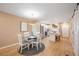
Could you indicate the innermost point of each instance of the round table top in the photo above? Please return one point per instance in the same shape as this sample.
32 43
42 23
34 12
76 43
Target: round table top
32 37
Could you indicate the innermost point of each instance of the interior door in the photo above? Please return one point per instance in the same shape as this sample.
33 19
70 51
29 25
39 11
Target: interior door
65 30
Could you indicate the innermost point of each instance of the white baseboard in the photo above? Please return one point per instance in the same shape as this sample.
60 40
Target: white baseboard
8 46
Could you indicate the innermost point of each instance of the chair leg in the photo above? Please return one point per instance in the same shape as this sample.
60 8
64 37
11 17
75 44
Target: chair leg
32 45
18 49
21 50
28 46
37 47
40 45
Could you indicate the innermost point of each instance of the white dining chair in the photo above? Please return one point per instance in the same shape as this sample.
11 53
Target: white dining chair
37 42
39 39
22 43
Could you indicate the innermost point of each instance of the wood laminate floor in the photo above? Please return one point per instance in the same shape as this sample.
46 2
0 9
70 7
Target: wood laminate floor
58 48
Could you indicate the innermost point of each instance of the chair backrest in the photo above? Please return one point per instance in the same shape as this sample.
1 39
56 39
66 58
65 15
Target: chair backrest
38 37
37 33
26 34
20 39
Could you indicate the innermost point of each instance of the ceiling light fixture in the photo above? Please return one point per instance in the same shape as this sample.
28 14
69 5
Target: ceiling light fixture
32 14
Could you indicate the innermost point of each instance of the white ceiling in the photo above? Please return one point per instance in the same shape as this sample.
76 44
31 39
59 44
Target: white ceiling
49 12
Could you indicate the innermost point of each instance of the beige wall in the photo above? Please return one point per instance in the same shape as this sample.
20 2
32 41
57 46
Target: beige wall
10 27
